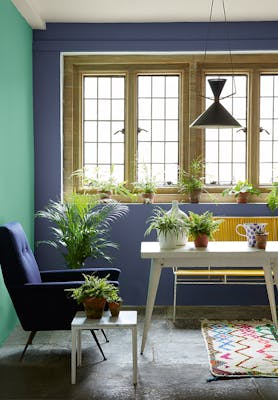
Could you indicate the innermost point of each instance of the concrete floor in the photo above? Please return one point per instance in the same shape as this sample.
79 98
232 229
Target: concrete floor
174 365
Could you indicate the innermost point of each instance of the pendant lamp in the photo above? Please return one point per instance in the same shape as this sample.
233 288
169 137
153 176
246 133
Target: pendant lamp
216 116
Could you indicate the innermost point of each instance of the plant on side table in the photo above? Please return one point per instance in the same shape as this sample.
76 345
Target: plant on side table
81 227
241 190
93 294
114 302
169 226
202 227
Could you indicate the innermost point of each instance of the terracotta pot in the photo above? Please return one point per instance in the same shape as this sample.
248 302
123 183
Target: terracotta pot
242 197
201 240
261 240
148 198
114 308
94 307
194 197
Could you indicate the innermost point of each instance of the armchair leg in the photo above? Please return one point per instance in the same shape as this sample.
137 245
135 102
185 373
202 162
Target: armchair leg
97 342
29 341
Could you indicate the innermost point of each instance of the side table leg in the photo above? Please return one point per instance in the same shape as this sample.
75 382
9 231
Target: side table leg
134 354
79 348
73 356
270 292
155 273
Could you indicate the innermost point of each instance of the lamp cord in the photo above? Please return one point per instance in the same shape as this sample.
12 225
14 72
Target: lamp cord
229 48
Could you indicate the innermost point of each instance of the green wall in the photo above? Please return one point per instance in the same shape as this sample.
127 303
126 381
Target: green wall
16 136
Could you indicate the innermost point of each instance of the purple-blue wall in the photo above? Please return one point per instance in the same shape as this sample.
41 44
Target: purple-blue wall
149 37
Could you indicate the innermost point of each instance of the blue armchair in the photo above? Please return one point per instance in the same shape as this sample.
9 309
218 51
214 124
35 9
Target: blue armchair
39 297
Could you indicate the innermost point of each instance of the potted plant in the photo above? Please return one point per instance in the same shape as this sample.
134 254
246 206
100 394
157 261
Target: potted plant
241 190
202 227
147 188
114 302
105 186
93 294
81 227
272 197
191 182
168 226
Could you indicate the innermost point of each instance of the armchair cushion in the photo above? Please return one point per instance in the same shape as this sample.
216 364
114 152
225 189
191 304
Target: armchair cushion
77 274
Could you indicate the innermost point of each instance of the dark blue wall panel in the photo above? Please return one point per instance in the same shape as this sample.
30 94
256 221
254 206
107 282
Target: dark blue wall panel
149 37
129 233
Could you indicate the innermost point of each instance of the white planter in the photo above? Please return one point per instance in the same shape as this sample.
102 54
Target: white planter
168 241
182 237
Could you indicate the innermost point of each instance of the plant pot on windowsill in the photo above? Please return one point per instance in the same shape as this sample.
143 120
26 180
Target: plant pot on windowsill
148 198
191 182
195 195
241 190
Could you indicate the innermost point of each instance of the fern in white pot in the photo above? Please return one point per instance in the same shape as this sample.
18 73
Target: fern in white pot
168 226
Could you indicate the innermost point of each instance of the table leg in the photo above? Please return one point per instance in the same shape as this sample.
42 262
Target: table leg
275 273
79 348
73 355
270 291
155 273
134 354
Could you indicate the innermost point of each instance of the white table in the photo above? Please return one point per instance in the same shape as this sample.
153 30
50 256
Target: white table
126 319
217 254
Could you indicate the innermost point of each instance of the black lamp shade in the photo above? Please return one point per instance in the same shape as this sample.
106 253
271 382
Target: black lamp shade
216 116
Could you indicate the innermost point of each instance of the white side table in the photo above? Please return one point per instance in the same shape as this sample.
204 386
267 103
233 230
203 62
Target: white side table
126 319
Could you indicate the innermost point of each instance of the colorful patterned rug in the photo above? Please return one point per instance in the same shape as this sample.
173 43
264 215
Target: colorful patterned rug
241 348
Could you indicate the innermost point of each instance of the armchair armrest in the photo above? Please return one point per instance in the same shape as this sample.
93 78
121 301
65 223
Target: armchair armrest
64 275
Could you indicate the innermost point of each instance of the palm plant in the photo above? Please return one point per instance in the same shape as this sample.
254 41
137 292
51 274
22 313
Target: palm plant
81 227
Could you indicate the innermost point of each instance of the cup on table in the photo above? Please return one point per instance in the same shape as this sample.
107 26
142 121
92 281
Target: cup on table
251 229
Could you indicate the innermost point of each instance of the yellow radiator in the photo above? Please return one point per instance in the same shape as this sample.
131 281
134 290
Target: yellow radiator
228 227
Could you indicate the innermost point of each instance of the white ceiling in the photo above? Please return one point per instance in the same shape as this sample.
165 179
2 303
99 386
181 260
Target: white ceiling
38 12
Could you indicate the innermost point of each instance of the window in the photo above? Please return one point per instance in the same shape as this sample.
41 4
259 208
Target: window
158 127
268 129
132 113
103 125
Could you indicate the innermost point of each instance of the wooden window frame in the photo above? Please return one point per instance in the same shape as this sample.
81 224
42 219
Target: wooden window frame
192 69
